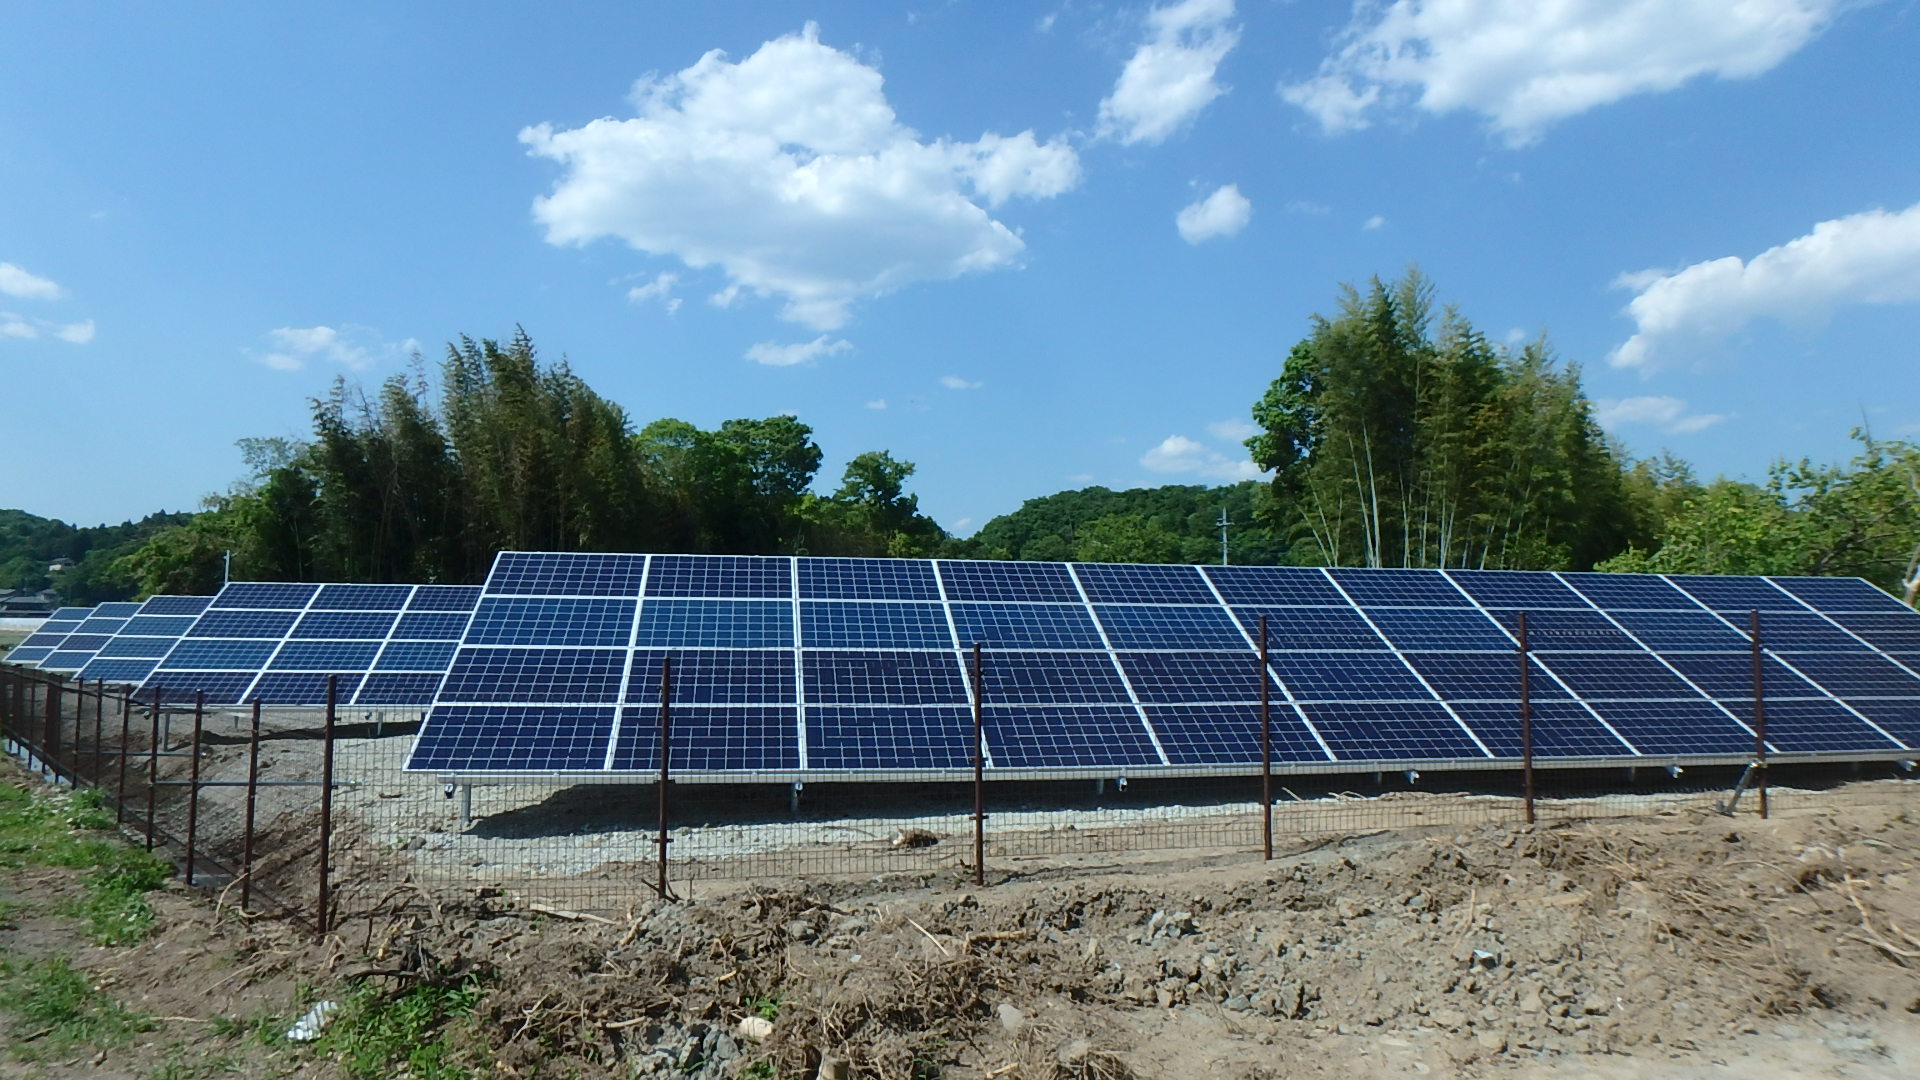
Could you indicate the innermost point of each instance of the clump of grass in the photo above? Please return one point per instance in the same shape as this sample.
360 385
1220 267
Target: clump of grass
378 1036
73 829
57 1010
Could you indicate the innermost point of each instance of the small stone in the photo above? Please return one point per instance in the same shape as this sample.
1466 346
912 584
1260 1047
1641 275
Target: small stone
1595 1004
1075 1052
1011 1018
1237 1003
756 1028
833 1068
1493 1042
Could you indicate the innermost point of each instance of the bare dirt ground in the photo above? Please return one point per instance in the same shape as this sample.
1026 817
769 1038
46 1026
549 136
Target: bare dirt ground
1683 943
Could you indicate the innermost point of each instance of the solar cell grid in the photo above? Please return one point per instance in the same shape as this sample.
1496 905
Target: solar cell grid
502 675
69 614
221 654
1853 675
362 597
398 688
1569 631
157 626
545 573
444 598
1479 677
1667 728
175 605
431 625
1143 584
514 739
98 625
46 639
1729 676
1885 631
343 624
1021 582
325 656
81 641
259 594
710 739
113 670
29 654
1348 677
67 659
1840 594
1735 594
1600 676
1898 717
1230 734
1026 626
1146 626
1820 726
1290 628
1561 728
715 624
857 624
59 627
868 579
1273 585
1805 632
434 656
181 687
1630 591
739 576
132 646
862 739
1397 731
883 678
715 677
117 610
1399 588
1681 631
1067 736
547 620
1175 678
304 687
1426 628
1037 678
1530 590
221 623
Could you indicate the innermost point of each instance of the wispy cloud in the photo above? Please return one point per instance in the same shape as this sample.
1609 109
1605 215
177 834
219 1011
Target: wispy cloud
955 382
660 288
357 348
800 352
21 285
1170 77
1179 454
1669 414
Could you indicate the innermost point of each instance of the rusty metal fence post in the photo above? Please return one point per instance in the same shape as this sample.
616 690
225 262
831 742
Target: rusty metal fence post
321 917
99 705
666 774
1759 711
1526 715
153 764
1266 749
246 832
126 733
193 779
979 771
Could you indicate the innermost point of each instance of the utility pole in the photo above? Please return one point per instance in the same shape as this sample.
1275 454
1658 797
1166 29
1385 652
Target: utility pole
226 566
1223 535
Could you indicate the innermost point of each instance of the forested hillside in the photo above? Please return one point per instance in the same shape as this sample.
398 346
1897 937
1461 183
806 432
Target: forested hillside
1396 433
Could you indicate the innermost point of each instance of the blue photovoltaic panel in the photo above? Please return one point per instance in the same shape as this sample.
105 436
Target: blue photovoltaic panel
1152 626
710 739
1841 594
733 576
1630 591
882 678
52 633
1734 594
1399 588
181 687
1528 590
1729 676
361 597
514 739
1820 726
145 648
219 623
858 624
566 574
867 579
1347 677
67 659
1853 675
1144 584
70 614
434 656
1038 678
1561 728
581 622
105 669
1264 586
325 656
431 625
1682 631
222 654
1882 630
1570 631
1176 678
175 605
717 677
1478 677
162 626
1599 676
715 624
1067 736
444 598
304 687
1292 628
858 739
1804 632
29 654
80 641
503 675
1025 626
398 688
1033 583
1455 629
117 610
1399 731
1230 734
258 594
1666 728
1899 717
98 625
344 624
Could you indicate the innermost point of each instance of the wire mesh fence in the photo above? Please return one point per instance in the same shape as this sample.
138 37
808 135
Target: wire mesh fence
309 814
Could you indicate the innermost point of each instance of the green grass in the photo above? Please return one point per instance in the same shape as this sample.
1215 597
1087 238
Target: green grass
425 1033
73 830
56 1010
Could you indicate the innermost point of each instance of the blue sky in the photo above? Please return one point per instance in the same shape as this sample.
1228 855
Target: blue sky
1027 247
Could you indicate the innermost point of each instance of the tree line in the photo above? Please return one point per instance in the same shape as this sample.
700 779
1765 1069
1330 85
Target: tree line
1396 434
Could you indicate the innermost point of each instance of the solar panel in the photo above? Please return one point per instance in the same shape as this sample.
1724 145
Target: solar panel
794 667
149 632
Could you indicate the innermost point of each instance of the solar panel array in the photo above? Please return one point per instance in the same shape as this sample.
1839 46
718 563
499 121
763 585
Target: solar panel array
277 643
819 667
48 637
71 636
148 635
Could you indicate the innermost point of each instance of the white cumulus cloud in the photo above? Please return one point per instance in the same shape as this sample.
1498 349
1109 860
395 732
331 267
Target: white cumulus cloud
14 326
800 352
660 288
1179 454
79 333
1170 77
1866 258
1669 414
790 174
955 382
1374 224
1525 64
357 348
877 403
21 285
1222 213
